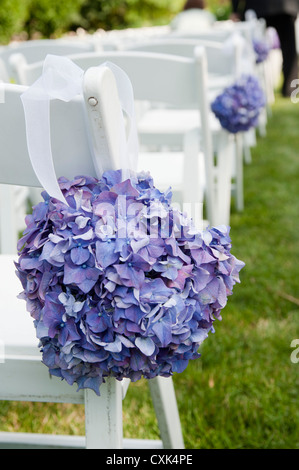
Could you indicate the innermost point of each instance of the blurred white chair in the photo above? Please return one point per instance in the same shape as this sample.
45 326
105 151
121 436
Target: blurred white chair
12 201
220 32
251 29
114 39
22 375
212 34
17 198
178 83
223 58
37 49
224 66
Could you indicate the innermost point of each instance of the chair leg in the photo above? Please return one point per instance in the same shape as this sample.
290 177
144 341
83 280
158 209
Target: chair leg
239 173
8 227
164 400
224 180
193 178
103 417
247 154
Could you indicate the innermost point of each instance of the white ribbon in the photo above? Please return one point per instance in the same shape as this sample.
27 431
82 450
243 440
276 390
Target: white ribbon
62 79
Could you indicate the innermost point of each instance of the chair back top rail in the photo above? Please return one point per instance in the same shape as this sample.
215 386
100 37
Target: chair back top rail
36 50
162 74
76 130
220 59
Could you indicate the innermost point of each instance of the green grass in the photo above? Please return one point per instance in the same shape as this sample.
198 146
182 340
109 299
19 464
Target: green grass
243 391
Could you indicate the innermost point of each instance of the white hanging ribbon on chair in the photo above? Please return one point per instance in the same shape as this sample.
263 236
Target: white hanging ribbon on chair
62 79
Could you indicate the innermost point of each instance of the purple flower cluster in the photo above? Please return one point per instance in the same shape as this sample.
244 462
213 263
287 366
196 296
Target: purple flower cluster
273 38
238 106
261 50
118 282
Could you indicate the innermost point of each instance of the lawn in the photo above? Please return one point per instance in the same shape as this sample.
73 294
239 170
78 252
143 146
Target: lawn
243 391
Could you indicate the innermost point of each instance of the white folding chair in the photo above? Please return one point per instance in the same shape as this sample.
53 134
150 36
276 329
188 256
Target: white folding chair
179 83
222 63
33 50
78 130
37 49
225 64
220 32
223 67
255 28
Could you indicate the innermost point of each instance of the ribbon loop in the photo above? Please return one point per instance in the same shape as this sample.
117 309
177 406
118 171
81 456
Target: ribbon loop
62 79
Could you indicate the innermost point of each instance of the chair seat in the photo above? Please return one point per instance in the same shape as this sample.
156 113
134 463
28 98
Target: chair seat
170 121
22 359
167 168
17 331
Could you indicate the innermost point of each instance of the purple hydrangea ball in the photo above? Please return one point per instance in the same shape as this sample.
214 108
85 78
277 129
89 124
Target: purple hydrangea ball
238 106
261 49
118 282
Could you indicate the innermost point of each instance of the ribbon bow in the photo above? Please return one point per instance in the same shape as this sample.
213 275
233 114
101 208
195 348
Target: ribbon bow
62 79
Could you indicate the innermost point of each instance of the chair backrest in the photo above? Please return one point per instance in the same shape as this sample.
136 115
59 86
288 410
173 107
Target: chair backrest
36 50
212 34
221 31
163 74
175 81
81 130
220 60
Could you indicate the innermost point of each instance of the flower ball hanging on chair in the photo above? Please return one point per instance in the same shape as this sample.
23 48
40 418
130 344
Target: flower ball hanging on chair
239 106
118 282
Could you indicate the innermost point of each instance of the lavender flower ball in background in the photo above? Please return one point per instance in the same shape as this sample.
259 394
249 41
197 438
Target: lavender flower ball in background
238 106
118 282
273 38
261 49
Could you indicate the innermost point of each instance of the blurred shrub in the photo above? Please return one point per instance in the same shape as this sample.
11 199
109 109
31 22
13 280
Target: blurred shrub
150 12
13 15
97 14
220 8
118 14
51 17
46 17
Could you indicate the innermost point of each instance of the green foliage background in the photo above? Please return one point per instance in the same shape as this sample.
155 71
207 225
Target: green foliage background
52 18
12 18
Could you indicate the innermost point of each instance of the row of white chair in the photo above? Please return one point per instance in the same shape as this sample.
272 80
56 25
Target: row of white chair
169 84
221 71
166 126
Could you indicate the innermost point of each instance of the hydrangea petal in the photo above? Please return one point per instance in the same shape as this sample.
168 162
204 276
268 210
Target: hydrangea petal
146 345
